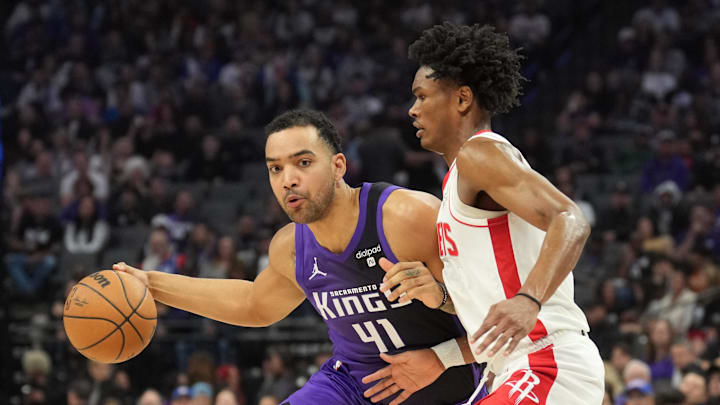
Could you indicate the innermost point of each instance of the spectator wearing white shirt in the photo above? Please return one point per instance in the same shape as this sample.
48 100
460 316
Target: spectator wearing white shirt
87 234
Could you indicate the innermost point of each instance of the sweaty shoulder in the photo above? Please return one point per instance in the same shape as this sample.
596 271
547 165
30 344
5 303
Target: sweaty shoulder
282 251
409 219
488 161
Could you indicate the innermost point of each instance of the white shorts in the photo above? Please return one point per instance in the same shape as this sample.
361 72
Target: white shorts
567 369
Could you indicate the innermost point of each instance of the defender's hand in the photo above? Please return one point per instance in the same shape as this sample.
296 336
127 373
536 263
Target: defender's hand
407 373
137 273
414 280
509 320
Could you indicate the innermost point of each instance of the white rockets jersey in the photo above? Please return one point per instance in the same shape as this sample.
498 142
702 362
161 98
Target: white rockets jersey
487 257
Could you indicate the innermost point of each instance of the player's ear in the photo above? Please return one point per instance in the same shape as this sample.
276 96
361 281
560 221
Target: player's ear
465 98
339 163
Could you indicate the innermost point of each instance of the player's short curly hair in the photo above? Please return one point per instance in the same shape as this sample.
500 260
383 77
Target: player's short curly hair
301 118
474 56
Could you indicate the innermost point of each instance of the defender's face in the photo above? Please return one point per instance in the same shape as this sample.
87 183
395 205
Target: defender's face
432 110
302 172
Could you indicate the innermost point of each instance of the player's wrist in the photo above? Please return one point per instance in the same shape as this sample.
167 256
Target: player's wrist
449 353
443 295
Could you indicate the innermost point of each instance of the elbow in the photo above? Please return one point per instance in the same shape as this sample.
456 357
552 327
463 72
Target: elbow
578 227
583 227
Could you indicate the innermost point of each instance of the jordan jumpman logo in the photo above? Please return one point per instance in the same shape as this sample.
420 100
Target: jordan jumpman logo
316 270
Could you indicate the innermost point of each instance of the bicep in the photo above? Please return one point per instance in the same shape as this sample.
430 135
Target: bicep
500 171
532 198
274 295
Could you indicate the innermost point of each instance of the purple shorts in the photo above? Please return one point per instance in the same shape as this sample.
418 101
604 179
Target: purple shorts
330 386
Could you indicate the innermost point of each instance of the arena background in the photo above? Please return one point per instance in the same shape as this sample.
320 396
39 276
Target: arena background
152 111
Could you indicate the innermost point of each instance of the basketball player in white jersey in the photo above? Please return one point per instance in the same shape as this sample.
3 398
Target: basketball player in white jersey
508 238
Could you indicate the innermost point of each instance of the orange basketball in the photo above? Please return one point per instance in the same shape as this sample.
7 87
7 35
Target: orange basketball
110 316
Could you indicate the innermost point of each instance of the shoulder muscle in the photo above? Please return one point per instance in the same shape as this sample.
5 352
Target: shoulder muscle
282 252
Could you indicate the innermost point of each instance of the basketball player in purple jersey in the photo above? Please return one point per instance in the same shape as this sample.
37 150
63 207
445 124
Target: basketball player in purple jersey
329 255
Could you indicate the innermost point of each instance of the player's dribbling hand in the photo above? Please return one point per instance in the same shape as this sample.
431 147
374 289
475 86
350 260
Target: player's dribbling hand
509 320
140 274
407 373
414 280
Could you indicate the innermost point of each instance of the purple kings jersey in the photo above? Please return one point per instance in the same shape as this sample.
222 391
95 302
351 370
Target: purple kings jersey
344 288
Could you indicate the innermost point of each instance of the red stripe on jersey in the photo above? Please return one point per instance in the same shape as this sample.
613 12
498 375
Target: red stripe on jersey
507 267
447 176
504 255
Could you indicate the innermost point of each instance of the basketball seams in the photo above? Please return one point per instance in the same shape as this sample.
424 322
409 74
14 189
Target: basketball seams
103 342
92 317
103 297
133 310
127 299
117 327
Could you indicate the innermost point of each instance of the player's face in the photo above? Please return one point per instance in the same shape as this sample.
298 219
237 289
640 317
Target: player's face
303 172
432 111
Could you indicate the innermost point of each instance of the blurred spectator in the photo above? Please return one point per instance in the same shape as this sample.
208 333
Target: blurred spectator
79 392
211 163
82 170
101 375
39 386
665 165
702 234
694 387
181 396
268 400
381 154
616 220
226 397
201 368
180 220
682 357
667 212
658 16
639 392
150 397
278 380
159 200
224 263
713 384
230 377
670 397
198 249
620 357
660 334
42 177
529 27
636 370
88 233
677 306
34 242
128 209
160 254
202 394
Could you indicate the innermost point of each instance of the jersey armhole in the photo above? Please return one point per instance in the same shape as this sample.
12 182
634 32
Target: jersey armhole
380 229
299 254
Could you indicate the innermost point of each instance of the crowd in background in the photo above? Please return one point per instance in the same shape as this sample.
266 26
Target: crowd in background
133 130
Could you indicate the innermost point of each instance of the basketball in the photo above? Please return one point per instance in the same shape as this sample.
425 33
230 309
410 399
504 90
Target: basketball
109 316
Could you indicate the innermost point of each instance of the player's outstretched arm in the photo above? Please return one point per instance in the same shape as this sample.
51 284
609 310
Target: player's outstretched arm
414 370
268 299
499 170
409 221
